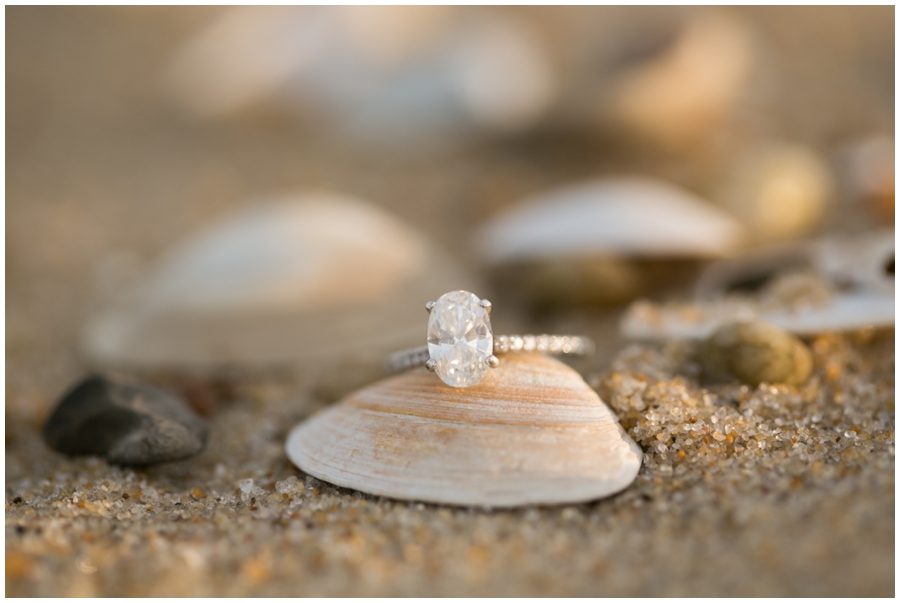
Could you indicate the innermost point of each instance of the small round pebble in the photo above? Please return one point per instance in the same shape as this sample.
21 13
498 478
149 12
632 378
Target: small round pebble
127 424
754 352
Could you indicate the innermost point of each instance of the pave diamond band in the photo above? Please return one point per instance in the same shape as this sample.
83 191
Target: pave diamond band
572 345
461 344
548 344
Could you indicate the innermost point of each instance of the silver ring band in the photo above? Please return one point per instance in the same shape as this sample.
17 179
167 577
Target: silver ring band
570 345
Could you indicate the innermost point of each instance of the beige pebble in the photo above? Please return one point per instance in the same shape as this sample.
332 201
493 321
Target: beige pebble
780 191
755 352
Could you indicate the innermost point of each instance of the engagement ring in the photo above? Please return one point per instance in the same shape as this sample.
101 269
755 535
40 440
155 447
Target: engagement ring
462 347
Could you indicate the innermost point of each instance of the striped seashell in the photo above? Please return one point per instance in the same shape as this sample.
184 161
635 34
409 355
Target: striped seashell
532 432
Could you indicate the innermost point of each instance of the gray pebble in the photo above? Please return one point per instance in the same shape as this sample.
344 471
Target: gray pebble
755 352
127 424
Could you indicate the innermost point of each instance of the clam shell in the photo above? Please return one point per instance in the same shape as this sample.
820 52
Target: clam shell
532 432
306 276
636 217
604 241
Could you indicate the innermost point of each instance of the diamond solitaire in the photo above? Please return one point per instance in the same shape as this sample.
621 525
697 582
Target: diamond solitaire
461 343
460 339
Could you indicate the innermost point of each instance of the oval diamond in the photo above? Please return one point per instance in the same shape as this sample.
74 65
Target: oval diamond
460 339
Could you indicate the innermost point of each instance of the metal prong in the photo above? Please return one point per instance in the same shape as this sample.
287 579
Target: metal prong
430 365
486 305
493 361
429 306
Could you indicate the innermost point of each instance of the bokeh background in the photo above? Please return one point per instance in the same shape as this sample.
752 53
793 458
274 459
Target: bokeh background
128 130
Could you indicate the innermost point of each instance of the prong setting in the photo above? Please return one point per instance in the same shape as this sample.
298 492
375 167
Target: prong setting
429 306
493 361
486 305
430 364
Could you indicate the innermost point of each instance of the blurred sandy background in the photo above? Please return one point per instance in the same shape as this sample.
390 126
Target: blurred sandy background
101 160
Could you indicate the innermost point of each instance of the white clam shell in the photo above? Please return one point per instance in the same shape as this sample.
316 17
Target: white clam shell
622 216
532 432
301 277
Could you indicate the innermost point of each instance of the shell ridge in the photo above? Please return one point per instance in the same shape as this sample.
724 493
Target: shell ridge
412 416
548 400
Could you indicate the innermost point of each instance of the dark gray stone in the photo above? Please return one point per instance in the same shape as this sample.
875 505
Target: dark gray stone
127 424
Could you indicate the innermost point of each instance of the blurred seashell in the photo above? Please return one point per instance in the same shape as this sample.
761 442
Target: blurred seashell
862 261
838 311
755 352
250 54
866 260
779 191
605 241
532 432
384 73
504 80
637 217
300 277
391 36
241 58
689 91
752 269
844 312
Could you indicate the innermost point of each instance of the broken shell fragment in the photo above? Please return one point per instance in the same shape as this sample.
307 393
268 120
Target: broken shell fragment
532 432
861 262
817 310
806 288
755 352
